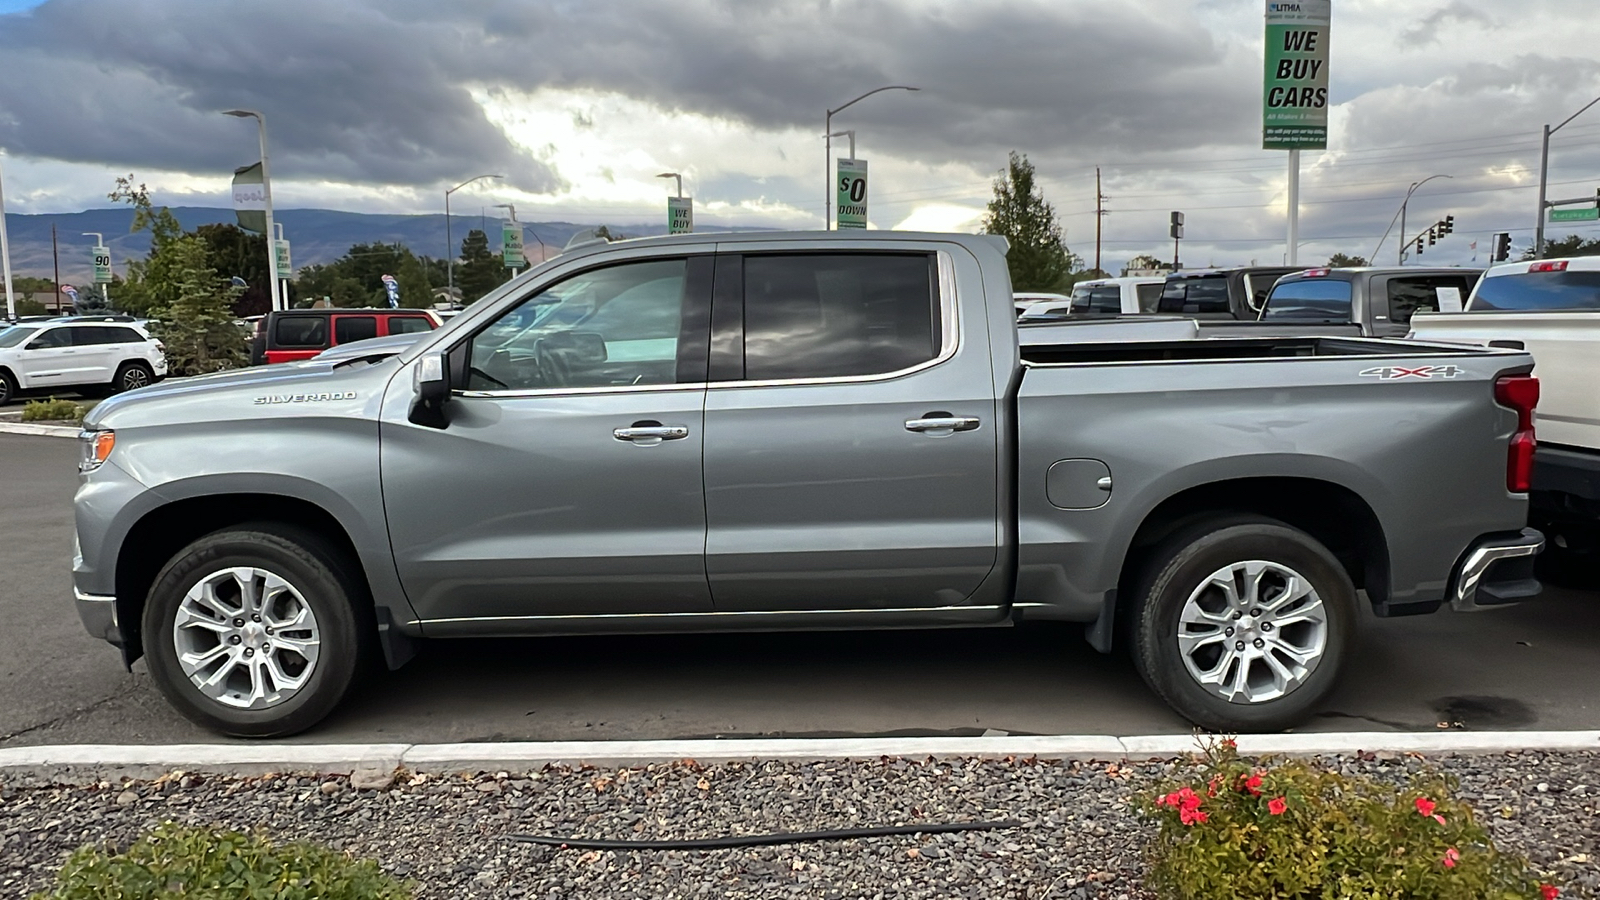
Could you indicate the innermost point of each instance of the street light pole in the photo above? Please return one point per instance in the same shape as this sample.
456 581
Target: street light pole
827 150
5 256
1544 173
449 245
1403 203
266 191
677 176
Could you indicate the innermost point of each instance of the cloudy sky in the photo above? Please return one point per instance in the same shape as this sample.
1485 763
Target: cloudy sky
378 105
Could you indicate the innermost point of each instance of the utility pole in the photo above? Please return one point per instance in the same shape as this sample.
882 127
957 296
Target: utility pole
1176 231
1544 174
1099 215
55 256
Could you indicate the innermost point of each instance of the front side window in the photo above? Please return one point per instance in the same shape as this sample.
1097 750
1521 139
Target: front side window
302 331
348 329
1407 295
49 340
1317 300
1571 291
838 315
1208 294
609 327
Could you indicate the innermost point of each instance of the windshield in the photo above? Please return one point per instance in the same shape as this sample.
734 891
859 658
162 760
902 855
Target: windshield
1311 300
14 335
1575 291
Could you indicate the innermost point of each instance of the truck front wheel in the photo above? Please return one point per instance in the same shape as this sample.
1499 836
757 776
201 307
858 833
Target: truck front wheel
1242 625
252 632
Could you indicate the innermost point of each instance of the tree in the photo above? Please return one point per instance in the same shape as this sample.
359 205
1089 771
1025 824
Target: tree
27 306
1571 245
234 252
197 324
152 281
479 271
1341 261
1038 259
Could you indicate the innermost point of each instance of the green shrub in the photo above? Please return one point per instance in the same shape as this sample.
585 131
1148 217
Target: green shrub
52 410
178 863
1292 830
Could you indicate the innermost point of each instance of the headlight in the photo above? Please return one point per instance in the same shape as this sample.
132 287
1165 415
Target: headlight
94 447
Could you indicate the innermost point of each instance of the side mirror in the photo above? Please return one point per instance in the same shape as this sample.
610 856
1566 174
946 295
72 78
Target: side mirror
431 386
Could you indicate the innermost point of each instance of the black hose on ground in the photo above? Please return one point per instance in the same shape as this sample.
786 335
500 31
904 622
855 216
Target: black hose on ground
760 840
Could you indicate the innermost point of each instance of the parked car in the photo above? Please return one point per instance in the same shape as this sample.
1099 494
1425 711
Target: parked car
1551 308
1375 302
1114 296
84 356
714 432
371 348
288 335
1219 293
1026 301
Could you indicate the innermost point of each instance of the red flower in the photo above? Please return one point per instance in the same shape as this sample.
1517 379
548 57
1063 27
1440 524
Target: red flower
1230 744
1426 806
1191 816
1277 806
1450 858
1253 784
1549 891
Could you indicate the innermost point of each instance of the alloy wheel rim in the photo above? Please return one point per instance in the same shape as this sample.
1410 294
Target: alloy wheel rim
1252 631
135 378
246 638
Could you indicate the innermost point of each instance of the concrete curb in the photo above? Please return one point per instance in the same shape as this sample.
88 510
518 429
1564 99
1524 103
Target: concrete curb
65 431
82 762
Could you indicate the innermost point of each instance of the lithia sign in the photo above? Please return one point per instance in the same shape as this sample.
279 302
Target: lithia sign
1294 114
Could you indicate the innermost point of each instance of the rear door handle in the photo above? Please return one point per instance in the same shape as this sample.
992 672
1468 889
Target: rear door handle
940 422
650 433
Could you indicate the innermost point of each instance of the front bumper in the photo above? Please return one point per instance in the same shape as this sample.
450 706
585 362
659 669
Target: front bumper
1496 571
99 615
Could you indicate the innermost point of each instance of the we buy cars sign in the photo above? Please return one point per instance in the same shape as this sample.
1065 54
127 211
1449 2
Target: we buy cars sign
1294 113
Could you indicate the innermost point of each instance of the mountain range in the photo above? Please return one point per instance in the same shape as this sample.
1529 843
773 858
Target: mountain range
315 235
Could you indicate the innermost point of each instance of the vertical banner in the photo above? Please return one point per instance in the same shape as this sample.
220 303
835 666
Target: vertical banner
102 265
250 198
511 245
1294 115
392 287
851 202
680 215
284 269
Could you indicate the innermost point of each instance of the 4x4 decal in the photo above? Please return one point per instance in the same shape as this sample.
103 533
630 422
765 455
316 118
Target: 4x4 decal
1392 373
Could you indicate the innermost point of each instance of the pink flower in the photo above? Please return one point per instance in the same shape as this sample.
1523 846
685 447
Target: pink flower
1426 806
1277 806
1549 891
1450 858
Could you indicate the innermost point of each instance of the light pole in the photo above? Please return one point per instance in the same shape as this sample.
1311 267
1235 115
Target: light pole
1413 189
266 192
1544 172
827 151
450 247
676 175
5 257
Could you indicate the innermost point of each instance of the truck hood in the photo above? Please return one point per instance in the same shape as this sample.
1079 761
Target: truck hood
297 387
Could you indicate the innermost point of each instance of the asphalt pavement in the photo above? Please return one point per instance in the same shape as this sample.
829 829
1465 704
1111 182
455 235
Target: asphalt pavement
1532 667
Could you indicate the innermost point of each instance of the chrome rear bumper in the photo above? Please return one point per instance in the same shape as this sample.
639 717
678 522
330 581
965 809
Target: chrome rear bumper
1497 571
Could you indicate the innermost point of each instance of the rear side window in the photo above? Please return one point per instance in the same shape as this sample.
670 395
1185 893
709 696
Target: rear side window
1411 293
832 316
409 325
1312 300
1107 299
1149 297
1080 298
302 331
1574 291
354 328
88 335
1196 295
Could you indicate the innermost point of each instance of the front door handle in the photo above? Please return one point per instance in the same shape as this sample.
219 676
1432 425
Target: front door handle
942 422
650 432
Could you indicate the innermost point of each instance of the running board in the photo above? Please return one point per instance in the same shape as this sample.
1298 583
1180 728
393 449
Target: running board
754 620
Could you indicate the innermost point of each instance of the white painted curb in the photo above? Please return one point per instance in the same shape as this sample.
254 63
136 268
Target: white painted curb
65 431
76 762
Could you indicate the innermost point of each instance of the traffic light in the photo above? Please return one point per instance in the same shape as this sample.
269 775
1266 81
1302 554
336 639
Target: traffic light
1449 225
1500 249
1432 238
1176 231
1419 245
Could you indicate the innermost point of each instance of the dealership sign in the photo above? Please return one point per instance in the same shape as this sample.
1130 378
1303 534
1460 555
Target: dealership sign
1294 113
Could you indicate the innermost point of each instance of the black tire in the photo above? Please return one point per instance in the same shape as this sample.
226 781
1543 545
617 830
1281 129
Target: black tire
1181 565
132 374
8 387
321 576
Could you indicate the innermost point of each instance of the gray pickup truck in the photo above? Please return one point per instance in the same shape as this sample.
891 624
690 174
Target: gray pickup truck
754 432
1370 301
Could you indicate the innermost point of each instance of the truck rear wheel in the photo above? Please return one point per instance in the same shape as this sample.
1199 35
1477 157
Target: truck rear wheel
252 632
1242 624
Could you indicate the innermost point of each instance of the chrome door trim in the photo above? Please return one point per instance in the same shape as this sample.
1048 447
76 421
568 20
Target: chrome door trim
728 615
563 392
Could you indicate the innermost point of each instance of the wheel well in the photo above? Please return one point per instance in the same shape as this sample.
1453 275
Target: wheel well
162 532
1335 516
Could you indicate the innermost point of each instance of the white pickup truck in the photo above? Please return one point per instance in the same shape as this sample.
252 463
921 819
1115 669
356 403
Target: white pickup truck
1551 308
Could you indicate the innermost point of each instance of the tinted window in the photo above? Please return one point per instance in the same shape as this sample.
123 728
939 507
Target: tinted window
347 329
1106 299
1208 294
1149 297
124 336
302 331
1407 295
10 337
608 327
55 337
837 316
409 325
1311 300
1540 290
88 335
1080 298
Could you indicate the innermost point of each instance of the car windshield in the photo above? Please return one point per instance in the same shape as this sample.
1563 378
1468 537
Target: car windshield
14 335
1573 291
1311 300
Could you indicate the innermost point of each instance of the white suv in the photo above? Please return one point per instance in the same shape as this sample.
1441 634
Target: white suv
77 355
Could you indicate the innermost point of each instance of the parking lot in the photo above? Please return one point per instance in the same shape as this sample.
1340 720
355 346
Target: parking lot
1533 667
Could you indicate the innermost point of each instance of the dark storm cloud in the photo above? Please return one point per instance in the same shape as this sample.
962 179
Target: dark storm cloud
379 92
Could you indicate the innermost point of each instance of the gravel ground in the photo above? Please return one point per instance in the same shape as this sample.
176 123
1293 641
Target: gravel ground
1078 837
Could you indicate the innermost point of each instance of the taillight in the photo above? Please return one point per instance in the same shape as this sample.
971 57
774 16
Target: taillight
1521 393
1559 265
